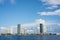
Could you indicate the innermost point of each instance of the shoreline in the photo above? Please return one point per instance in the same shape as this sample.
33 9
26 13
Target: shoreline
29 35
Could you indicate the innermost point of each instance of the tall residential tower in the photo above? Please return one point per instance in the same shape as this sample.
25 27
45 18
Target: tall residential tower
41 28
18 28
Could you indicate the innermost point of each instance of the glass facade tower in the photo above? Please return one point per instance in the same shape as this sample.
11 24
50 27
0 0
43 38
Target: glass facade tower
41 28
18 29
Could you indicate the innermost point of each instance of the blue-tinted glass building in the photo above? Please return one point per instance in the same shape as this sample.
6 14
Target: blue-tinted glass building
18 29
41 28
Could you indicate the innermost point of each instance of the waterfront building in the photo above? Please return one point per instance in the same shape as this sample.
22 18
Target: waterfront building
41 28
24 30
44 28
38 30
10 30
42 25
57 33
18 29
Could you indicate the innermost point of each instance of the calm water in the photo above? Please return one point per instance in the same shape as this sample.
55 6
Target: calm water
29 37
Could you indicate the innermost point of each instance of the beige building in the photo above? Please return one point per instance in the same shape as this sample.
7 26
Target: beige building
24 31
10 30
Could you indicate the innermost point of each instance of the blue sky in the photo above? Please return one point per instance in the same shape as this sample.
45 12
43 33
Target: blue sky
13 12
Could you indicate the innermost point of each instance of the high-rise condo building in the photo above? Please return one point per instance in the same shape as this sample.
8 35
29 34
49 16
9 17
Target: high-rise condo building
18 28
10 30
41 28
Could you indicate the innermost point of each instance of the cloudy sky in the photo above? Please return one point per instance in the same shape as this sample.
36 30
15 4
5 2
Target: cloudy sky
28 12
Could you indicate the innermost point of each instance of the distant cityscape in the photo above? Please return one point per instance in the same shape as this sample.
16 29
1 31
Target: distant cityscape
42 31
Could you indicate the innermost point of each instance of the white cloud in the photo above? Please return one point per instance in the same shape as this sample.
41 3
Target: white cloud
36 22
52 3
52 7
3 28
28 24
56 12
6 29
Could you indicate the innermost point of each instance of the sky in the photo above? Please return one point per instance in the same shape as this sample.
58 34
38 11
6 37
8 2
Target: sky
28 12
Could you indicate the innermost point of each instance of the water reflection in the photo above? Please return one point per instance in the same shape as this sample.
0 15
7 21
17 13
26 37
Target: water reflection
29 37
41 38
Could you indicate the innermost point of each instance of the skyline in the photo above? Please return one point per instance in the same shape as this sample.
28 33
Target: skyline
27 12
